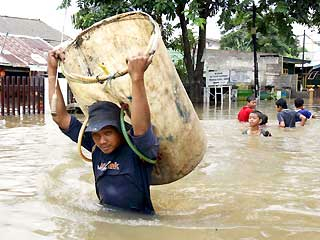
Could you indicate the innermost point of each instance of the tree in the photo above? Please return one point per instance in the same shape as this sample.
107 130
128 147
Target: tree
176 45
194 11
274 24
271 41
236 40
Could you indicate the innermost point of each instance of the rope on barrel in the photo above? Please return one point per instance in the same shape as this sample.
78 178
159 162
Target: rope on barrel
151 49
80 137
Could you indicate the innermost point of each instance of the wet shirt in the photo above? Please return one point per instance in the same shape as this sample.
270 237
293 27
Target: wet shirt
263 132
288 117
121 178
305 113
243 115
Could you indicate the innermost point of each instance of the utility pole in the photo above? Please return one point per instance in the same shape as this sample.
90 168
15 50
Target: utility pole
254 41
303 46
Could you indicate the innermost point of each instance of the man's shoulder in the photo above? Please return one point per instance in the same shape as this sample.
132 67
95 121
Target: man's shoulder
74 123
288 111
245 110
302 111
248 109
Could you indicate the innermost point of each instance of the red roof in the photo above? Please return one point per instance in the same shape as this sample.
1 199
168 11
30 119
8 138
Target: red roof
23 51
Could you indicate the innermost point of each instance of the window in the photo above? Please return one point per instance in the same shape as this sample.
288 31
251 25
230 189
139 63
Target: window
285 71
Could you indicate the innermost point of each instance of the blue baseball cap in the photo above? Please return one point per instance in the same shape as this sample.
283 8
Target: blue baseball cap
102 114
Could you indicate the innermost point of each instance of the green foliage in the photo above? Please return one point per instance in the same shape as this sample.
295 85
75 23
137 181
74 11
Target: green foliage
281 8
271 42
305 12
65 4
92 11
176 42
176 45
274 28
193 14
236 40
181 69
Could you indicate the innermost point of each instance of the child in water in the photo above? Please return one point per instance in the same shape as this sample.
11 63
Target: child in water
287 117
298 103
244 112
256 119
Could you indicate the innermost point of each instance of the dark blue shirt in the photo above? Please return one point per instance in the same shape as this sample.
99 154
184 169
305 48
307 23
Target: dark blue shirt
122 179
305 113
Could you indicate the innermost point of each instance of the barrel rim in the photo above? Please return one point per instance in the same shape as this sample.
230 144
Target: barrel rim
107 21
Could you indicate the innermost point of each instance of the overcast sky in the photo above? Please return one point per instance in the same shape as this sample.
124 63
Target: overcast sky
45 10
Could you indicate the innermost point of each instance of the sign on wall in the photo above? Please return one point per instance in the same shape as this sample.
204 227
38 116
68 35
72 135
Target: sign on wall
217 77
238 76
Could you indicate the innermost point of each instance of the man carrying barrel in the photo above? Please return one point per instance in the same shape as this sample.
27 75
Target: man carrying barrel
122 179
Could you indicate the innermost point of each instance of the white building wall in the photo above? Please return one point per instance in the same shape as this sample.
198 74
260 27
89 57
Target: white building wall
240 65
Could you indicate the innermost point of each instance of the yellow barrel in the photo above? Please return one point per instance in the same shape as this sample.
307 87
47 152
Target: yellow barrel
100 52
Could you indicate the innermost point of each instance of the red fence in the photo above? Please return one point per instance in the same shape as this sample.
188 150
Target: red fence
22 95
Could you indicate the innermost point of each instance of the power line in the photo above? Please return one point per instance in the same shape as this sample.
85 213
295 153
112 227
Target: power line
313 41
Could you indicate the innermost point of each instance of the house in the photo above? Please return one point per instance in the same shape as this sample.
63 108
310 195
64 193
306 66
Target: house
22 67
212 43
24 44
31 28
20 54
275 72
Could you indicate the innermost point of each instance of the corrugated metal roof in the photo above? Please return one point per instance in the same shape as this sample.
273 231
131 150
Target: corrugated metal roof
23 51
31 27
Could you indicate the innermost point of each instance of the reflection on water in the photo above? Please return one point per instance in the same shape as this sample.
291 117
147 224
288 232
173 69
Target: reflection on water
245 187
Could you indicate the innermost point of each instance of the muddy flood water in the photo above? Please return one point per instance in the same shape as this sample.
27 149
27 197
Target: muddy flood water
246 187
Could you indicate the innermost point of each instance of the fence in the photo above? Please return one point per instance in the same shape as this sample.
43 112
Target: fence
22 95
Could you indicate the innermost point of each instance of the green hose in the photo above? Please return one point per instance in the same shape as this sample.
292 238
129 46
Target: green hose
126 137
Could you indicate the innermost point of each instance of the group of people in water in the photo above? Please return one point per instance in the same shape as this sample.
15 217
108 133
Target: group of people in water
287 118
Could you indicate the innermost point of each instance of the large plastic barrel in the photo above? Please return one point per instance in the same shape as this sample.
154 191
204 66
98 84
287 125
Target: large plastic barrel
102 49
